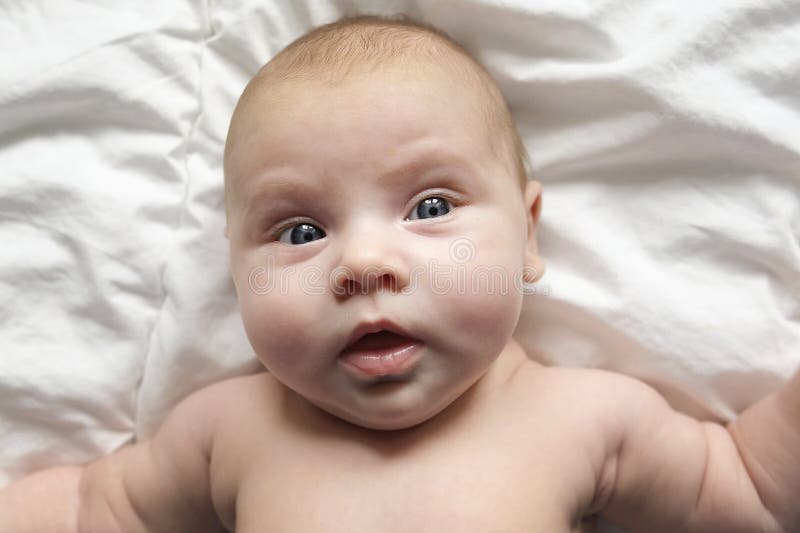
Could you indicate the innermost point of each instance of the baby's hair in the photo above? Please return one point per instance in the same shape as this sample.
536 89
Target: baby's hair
366 42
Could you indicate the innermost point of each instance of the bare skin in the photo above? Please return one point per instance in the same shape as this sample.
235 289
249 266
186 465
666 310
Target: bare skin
277 463
466 470
529 448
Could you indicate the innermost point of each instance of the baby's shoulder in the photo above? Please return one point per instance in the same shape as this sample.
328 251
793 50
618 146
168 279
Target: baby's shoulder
580 393
228 405
558 378
241 387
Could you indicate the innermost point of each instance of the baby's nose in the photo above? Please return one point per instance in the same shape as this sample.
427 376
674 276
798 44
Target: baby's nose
374 280
370 263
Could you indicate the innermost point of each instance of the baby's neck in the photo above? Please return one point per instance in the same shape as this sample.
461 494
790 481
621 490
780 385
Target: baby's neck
497 377
493 382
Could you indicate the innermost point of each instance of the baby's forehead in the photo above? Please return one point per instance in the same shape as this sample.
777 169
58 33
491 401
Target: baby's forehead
283 88
271 102
323 61
357 126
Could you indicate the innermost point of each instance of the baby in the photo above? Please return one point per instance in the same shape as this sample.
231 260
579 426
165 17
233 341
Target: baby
381 232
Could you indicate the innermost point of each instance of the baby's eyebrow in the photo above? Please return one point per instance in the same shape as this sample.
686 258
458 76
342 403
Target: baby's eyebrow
268 189
428 160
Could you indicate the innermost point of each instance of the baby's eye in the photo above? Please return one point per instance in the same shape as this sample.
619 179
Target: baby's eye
301 234
432 207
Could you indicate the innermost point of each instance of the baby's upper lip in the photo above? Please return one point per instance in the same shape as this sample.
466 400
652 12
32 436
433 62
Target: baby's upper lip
365 328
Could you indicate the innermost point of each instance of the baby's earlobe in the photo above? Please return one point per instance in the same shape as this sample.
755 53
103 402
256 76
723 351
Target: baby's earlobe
534 268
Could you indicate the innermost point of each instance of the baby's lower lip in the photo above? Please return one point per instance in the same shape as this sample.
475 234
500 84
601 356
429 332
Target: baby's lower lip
388 361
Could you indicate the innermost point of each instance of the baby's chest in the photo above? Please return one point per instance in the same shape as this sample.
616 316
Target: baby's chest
466 490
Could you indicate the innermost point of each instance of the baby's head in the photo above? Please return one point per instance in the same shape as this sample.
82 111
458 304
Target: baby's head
374 180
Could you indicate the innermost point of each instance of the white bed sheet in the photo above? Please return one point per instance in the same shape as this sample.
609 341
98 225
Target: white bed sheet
666 134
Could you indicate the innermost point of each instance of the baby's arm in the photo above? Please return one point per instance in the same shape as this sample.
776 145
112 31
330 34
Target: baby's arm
159 485
669 472
46 501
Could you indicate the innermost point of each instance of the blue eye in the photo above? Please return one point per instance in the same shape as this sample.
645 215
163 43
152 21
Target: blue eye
432 207
301 234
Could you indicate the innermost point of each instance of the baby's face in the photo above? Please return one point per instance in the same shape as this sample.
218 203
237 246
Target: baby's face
377 198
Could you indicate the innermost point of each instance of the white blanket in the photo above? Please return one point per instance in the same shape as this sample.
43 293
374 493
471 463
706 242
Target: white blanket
666 134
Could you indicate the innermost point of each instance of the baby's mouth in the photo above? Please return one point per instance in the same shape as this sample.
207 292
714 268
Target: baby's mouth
383 353
378 340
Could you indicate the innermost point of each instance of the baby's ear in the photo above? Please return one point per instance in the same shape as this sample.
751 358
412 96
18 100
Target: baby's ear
534 264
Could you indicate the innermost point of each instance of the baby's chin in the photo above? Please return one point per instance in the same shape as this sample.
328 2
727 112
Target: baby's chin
387 417
394 423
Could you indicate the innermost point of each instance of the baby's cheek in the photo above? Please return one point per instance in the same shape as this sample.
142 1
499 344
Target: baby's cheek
277 324
491 301
484 304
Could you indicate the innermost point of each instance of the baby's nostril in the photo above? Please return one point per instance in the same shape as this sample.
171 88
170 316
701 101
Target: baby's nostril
351 286
386 282
370 283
